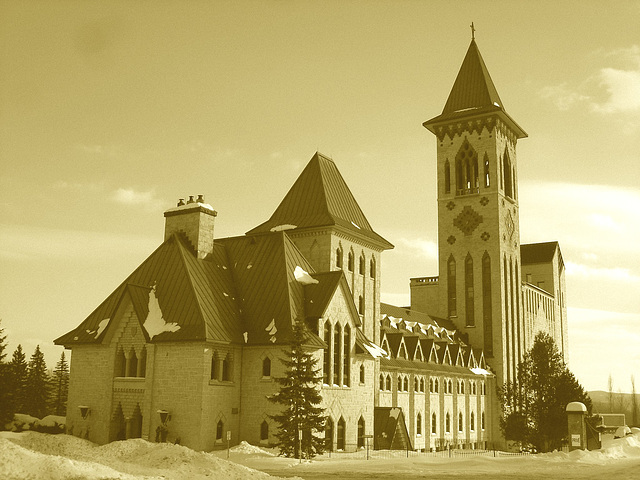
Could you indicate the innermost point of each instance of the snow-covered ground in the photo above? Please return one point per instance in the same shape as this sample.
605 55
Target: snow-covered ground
31 455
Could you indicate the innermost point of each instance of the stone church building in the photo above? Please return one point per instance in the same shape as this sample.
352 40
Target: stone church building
186 348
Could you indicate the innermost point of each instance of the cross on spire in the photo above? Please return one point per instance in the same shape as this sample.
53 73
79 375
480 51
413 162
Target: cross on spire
473 31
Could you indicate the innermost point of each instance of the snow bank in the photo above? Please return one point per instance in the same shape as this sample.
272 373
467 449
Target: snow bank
248 449
31 455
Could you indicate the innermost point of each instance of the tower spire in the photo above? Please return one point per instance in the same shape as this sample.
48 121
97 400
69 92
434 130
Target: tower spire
473 31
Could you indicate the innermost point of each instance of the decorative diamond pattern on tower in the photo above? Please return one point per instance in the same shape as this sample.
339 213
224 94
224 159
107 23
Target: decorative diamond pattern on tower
484 201
451 205
468 220
451 240
485 236
510 224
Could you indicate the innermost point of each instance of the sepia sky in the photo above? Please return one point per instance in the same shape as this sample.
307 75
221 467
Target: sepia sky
111 111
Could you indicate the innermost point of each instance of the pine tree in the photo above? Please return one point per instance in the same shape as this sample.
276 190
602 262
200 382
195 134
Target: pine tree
6 399
300 395
37 385
60 387
19 370
534 406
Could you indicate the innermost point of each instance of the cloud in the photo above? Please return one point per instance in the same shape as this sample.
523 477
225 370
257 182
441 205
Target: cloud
129 196
79 186
609 90
425 248
618 274
562 96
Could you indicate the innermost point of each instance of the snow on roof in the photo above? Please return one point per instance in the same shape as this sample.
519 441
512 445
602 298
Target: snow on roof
303 276
188 206
101 326
280 228
155 323
375 350
480 371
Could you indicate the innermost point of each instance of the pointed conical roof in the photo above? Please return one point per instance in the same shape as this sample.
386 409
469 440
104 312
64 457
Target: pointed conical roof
320 197
473 94
473 87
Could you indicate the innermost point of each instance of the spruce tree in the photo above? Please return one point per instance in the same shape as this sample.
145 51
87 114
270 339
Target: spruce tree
37 385
534 405
300 395
6 399
19 370
60 387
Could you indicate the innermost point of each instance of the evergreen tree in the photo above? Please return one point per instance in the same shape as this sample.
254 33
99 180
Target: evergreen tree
60 387
19 370
300 395
37 386
6 400
534 405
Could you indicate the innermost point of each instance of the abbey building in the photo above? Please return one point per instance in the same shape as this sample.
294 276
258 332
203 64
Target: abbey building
186 348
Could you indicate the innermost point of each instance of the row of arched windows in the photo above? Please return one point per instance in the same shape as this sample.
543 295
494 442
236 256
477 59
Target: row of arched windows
467 173
337 355
339 258
434 385
447 422
341 433
131 364
470 295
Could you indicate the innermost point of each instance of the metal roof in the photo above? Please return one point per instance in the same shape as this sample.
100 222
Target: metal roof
320 197
473 94
242 287
538 252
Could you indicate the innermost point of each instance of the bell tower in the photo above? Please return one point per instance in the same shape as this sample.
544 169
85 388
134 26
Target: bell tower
478 219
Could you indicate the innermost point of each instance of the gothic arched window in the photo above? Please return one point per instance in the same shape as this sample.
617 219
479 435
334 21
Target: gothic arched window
486 304
339 257
487 180
447 177
468 286
466 170
451 286
326 366
346 360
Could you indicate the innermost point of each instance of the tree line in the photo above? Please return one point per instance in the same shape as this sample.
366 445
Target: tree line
28 387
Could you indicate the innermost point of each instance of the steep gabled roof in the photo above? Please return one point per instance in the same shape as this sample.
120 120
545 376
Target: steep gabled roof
194 294
320 197
473 93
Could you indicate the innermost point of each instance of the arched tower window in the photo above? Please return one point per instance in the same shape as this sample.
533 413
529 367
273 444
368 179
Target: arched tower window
388 383
436 387
326 366
362 375
360 305
372 268
361 265
487 180
447 177
466 170
346 363
468 287
339 257
361 433
381 382
226 368
337 336
431 385
486 304
350 262
451 286
508 180
406 384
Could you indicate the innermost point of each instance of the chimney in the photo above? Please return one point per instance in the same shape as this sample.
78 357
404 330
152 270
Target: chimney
195 219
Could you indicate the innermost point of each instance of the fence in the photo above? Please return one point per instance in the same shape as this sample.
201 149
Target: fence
354 452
